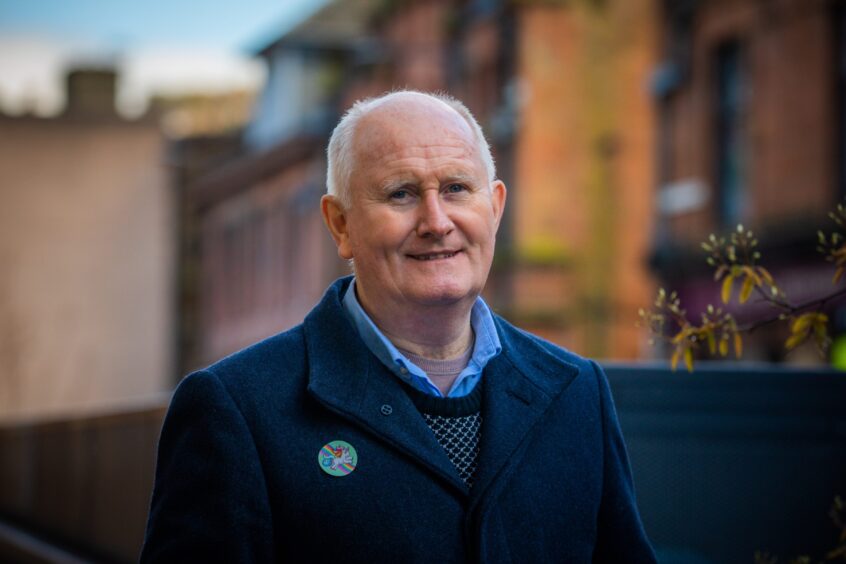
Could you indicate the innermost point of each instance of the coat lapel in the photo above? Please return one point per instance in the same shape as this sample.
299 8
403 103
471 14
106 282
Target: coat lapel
519 387
350 381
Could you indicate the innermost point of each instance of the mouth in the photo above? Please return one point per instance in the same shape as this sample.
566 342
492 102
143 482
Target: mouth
433 256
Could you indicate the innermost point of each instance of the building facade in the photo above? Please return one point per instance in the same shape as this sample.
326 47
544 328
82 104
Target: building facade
751 109
561 90
86 245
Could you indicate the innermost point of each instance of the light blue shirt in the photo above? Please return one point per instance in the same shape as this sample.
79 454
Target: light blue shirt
486 347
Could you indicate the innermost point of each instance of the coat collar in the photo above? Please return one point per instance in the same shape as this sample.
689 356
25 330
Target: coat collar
519 386
349 380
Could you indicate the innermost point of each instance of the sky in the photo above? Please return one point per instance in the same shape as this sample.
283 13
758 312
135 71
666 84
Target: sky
162 46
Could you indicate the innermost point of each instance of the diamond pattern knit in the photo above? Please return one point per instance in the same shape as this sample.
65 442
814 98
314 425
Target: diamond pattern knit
456 424
459 436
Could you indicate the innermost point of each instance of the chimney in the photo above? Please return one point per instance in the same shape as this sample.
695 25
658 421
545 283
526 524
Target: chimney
91 93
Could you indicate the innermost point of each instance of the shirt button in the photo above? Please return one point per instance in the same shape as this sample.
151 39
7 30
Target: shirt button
403 370
386 409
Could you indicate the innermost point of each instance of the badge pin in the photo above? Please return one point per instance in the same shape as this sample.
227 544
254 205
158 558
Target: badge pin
337 458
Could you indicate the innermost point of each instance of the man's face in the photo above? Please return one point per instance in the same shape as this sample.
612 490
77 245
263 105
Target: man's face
423 215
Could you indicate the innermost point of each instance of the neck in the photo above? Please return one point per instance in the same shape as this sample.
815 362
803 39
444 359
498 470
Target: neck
442 373
433 331
447 343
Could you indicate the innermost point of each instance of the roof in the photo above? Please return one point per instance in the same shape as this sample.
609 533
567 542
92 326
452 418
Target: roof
335 24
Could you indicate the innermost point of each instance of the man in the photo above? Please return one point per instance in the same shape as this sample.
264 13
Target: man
402 421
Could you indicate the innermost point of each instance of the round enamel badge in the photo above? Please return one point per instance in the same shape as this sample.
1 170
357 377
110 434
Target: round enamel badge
337 458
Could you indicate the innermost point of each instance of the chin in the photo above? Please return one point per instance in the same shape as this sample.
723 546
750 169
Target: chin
446 294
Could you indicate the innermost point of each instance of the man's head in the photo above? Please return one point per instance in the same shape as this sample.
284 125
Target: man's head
338 153
413 201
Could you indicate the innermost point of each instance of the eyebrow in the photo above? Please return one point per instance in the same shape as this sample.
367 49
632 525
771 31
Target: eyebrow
397 183
461 177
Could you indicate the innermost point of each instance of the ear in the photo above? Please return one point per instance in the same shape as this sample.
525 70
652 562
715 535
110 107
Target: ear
498 197
335 218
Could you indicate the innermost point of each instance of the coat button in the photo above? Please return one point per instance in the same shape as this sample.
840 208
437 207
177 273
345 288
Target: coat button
386 409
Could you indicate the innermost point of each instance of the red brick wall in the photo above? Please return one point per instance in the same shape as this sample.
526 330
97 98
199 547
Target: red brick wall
789 126
584 172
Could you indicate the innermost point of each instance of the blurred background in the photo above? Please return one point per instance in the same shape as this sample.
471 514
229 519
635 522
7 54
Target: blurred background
161 165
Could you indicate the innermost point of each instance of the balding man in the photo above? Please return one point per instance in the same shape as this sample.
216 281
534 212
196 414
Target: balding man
402 421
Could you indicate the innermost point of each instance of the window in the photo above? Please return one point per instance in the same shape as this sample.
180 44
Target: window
731 105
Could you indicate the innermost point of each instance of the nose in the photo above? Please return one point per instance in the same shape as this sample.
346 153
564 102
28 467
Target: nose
433 221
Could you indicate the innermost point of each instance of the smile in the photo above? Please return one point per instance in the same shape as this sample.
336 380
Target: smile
434 256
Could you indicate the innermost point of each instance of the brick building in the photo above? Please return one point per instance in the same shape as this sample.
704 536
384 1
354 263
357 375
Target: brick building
561 91
583 173
257 257
751 98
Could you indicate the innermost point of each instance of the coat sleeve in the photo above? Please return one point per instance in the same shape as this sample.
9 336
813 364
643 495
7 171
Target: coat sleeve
210 497
620 533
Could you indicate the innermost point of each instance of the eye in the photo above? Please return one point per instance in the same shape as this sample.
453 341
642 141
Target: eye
401 194
456 188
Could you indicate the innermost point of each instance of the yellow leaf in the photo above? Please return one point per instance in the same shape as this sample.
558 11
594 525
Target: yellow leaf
726 293
679 337
802 322
738 345
820 330
748 284
688 359
712 344
724 347
674 360
750 273
794 340
766 276
837 275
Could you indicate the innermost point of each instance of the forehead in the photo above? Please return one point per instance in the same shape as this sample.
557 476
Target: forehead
419 133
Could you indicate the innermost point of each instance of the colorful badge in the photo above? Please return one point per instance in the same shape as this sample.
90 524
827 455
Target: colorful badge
337 458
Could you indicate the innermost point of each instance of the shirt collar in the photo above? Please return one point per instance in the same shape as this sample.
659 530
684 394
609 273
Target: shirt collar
485 347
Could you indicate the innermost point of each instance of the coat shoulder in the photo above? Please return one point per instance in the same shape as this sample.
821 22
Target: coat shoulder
533 354
264 365
529 344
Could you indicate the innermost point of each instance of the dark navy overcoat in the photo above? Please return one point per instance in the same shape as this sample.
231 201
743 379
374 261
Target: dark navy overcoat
238 477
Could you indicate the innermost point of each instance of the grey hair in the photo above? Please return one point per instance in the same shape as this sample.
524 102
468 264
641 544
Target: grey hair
339 153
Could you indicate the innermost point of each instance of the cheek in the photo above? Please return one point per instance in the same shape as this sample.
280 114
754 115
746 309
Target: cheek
480 229
386 234
373 245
